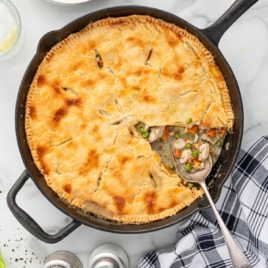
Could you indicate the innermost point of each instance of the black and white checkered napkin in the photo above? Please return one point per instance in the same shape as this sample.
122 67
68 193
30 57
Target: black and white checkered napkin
243 205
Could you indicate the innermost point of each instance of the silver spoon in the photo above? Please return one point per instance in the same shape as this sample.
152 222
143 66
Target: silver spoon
238 258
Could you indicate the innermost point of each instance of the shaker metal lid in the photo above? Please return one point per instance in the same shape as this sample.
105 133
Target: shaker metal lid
105 263
62 259
108 256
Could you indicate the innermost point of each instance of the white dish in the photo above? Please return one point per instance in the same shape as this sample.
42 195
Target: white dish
68 2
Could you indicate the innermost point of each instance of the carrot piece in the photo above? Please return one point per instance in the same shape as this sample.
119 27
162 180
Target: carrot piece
195 163
178 153
211 132
167 129
165 136
194 129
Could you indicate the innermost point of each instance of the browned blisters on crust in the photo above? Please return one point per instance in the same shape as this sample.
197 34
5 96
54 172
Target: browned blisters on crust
102 75
150 200
137 72
73 102
95 129
119 203
117 174
67 188
181 69
117 22
92 161
60 113
124 159
180 34
44 168
171 41
179 74
138 42
216 73
56 88
32 112
41 80
148 99
72 144
76 65
88 83
91 44
40 151
96 133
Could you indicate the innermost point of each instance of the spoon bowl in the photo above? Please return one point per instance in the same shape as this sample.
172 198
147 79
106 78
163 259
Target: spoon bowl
198 176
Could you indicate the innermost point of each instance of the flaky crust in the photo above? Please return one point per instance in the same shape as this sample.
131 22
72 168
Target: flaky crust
153 72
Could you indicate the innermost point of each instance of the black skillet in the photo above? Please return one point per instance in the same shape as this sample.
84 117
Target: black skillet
210 37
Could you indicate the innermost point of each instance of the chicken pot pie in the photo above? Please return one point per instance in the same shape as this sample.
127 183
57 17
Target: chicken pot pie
97 99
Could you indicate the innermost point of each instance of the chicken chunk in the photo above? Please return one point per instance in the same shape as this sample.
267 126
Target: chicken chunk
179 144
203 152
186 155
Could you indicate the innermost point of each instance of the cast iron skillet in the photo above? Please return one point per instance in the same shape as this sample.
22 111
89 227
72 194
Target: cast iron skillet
210 37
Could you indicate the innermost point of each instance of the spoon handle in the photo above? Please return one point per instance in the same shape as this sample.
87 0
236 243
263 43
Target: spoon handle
238 258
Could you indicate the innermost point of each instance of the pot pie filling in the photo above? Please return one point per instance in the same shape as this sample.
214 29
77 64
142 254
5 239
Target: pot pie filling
191 146
85 105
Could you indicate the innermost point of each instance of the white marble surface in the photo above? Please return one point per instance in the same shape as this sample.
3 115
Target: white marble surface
245 47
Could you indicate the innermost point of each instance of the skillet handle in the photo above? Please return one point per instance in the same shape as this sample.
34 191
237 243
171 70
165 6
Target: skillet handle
219 27
28 222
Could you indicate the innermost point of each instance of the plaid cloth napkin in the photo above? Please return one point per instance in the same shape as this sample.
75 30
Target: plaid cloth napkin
243 205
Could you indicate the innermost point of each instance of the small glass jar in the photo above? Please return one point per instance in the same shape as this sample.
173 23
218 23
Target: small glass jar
11 34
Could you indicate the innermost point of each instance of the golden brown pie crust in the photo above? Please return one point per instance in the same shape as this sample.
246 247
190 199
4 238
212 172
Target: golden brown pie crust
153 72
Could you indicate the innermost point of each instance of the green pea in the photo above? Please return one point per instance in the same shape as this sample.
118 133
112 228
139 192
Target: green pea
145 134
172 167
190 184
219 143
188 145
142 130
189 120
190 136
177 135
188 167
195 153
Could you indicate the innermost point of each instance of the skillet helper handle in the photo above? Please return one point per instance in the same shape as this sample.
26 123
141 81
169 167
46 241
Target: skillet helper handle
219 27
28 222
237 256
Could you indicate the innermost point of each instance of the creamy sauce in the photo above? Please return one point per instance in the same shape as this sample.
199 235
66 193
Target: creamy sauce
164 147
